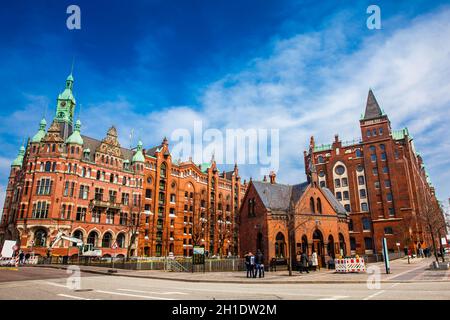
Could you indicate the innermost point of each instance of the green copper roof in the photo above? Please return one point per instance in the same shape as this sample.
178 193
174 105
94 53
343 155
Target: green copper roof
19 159
70 77
322 147
400 134
41 133
75 137
139 155
205 166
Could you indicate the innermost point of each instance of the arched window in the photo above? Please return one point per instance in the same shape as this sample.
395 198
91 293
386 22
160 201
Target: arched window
54 166
92 238
319 205
48 166
120 240
280 245
72 150
40 238
111 178
77 234
163 170
106 241
311 205
320 159
358 153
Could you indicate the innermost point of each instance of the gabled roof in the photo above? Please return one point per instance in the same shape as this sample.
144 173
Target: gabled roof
92 144
152 151
373 110
337 206
277 196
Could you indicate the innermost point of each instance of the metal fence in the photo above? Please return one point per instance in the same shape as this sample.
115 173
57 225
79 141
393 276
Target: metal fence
153 263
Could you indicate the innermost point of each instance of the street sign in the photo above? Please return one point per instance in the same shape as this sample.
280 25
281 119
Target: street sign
198 256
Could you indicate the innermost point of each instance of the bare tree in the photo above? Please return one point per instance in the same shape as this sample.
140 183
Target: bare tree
294 220
133 222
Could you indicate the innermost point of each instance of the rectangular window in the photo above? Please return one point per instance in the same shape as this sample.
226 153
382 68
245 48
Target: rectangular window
112 196
148 193
346 195
81 214
338 195
125 198
96 216
388 230
109 218
391 212
383 156
337 183
44 187
344 182
385 170
172 198
377 184
99 194
373 157
389 196
361 180
362 193
387 183
375 171
84 192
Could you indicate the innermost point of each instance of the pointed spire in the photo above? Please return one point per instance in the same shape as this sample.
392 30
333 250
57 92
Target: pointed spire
139 155
41 132
75 137
373 110
19 159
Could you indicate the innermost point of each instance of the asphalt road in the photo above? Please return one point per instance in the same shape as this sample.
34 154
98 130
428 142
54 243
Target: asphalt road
51 284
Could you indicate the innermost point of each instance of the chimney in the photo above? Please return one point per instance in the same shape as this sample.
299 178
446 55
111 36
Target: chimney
272 176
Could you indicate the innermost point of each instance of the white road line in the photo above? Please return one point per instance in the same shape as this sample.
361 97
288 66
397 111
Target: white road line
407 271
56 284
374 295
395 284
151 292
72 297
334 298
132 295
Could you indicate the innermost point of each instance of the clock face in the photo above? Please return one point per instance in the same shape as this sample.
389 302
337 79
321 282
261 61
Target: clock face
63 103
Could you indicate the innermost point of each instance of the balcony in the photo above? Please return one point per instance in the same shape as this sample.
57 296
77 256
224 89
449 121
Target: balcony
105 204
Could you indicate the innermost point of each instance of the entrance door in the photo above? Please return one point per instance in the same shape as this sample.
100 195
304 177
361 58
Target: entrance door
318 247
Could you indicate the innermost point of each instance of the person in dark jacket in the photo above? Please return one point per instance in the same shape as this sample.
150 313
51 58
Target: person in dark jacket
304 263
247 258
259 261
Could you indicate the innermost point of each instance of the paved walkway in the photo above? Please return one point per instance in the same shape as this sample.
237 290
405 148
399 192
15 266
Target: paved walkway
401 271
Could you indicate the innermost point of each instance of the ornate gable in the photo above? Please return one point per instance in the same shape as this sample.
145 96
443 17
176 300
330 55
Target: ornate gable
110 144
53 133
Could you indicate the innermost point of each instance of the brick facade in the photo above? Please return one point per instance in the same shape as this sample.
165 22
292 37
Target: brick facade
379 179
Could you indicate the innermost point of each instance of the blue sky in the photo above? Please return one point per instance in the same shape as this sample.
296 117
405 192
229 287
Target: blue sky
155 66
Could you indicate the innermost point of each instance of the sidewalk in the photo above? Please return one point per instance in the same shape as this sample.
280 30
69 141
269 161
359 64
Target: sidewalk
401 271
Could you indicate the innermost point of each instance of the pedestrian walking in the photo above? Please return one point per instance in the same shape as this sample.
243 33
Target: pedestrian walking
314 260
252 266
247 264
259 260
298 261
21 257
304 263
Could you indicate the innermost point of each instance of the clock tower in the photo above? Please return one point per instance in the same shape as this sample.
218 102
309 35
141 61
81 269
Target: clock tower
65 108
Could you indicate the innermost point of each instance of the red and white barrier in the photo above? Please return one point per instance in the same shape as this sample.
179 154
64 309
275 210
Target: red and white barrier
350 265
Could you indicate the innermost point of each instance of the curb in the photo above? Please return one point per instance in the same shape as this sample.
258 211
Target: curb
241 281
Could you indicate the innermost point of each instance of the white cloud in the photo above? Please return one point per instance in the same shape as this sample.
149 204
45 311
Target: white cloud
307 85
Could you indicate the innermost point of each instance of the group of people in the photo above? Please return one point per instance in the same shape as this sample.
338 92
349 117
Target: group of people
254 264
303 262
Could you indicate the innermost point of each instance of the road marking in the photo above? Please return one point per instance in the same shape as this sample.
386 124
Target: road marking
151 292
132 295
56 284
407 271
374 295
334 298
72 297
395 284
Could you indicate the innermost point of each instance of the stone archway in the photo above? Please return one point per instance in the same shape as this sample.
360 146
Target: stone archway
280 246
330 247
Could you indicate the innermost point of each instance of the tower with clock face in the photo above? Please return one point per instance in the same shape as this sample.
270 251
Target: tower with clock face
65 108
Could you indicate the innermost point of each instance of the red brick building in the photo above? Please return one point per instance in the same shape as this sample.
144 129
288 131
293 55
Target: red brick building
381 180
309 216
188 205
100 192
